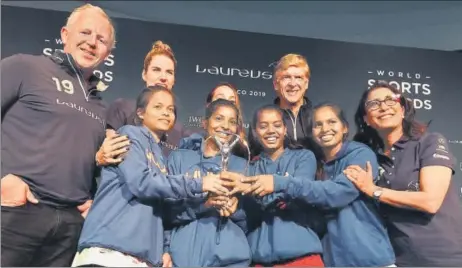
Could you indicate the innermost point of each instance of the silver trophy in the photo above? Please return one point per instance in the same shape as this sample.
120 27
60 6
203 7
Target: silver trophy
225 151
226 148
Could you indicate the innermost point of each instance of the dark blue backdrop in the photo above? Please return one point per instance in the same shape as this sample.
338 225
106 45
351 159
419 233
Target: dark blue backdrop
340 71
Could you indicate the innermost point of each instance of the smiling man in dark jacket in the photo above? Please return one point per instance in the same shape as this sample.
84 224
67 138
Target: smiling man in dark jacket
290 80
52 125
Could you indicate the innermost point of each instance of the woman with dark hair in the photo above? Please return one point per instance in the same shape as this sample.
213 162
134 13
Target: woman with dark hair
124 225
355 234
226 91
282 230
418 198
209 230
353 222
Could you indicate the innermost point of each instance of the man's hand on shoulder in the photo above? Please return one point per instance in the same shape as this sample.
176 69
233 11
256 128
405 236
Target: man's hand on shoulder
113 149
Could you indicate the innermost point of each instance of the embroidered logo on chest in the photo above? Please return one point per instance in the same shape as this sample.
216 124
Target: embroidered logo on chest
151 159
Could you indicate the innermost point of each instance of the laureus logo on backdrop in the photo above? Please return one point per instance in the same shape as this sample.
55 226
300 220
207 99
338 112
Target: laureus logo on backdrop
416 85
105 75
195 121
233 71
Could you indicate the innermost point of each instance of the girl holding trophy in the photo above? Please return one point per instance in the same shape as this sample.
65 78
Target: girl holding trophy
209 230
124 226
282 231
355 235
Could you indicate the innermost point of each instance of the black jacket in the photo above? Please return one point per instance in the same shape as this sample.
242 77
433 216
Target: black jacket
302 129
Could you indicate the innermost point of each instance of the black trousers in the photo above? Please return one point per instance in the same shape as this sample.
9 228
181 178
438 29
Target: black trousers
39 235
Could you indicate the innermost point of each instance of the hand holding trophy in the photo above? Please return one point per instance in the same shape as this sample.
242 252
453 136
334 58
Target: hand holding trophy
227 205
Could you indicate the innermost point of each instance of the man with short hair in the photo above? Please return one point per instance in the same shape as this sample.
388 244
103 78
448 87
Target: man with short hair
290 80
291 77
52 125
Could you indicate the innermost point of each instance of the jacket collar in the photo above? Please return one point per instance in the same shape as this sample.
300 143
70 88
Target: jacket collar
265 157
67 62
148 134
402 142
306 102
341 153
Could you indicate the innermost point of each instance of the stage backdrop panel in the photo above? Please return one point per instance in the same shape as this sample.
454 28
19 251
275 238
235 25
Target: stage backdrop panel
340 71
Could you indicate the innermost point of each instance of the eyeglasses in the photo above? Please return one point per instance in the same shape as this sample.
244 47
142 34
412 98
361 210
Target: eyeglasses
373 105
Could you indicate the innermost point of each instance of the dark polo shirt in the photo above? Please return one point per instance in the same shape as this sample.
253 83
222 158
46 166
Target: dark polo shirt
52 126
419 238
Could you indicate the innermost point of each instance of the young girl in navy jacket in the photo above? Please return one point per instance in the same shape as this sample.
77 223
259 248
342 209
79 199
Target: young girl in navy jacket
124 226
282 230
205 233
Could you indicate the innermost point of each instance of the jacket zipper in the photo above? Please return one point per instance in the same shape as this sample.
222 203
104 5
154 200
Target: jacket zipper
294 124
78 78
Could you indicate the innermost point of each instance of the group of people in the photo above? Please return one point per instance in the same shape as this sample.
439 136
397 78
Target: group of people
308 197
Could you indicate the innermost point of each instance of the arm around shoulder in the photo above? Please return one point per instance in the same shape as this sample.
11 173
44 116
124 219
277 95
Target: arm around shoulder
147 181
435 175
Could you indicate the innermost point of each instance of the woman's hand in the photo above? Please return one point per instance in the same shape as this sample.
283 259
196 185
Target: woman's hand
216 201
362 179
230 207
261 185
235 181
113 149
213 184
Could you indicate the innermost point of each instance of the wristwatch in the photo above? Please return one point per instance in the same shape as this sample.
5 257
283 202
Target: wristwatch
377 194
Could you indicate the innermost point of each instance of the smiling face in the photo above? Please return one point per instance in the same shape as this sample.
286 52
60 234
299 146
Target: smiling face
383 110
270 130
223 119
160 71
291 84
88 38
328 130
159 114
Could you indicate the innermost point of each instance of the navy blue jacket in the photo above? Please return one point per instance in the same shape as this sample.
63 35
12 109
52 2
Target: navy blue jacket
126 214
123 112
356 235
280 234
200 237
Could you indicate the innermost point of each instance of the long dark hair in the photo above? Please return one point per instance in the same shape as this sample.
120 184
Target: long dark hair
143 100
255 146
338 111
369 136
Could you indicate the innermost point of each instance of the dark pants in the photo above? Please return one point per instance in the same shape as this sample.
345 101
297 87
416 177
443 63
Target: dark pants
39 235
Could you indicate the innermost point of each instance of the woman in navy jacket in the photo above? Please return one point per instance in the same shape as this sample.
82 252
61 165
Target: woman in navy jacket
225 91
282 230
124 225
355 234
205 233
